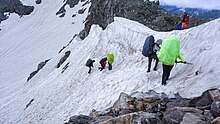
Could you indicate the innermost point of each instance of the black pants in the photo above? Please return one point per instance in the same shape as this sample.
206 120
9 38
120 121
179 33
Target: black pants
109 66
166 73
150 58
90 70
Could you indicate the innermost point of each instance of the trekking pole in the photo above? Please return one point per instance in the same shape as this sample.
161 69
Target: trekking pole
185 62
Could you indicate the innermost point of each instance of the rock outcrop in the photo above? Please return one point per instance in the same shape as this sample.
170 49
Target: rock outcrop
13 6
63 59
155 108
71 4
39 67
102 12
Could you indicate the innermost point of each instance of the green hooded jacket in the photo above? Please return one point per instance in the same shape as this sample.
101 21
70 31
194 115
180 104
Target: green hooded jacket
170 51
110 58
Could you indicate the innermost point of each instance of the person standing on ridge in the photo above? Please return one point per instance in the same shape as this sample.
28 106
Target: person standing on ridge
149 51
184 22
169 52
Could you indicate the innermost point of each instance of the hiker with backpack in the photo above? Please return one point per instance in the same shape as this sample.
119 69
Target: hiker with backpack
103 61
89 64
150 52
110 58
169 52
184 22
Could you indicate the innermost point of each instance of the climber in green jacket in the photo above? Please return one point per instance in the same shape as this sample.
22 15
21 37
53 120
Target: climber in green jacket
169 52
110 58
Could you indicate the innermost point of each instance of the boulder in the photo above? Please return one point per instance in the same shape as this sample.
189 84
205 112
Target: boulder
123 102
191 119
79 119
216 121
215 108
177 103
214 94
202 102
175 115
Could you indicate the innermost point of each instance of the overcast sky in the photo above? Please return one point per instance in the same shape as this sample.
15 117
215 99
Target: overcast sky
206 4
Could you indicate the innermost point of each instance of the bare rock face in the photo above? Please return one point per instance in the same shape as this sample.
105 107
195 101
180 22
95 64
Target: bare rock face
102 12
14 6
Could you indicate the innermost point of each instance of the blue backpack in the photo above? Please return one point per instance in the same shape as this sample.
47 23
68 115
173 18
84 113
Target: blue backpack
148 46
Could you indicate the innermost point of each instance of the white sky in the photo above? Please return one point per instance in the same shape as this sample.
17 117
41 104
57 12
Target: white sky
206 4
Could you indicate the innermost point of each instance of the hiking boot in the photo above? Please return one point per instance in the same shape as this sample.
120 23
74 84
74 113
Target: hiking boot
164 81
155 69
148 71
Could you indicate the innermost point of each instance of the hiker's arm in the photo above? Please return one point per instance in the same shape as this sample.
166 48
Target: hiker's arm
181 58
157 45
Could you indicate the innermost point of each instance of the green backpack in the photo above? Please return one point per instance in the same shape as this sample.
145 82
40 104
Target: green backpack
110 58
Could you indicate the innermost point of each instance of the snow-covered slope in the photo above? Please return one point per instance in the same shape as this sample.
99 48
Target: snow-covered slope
57 96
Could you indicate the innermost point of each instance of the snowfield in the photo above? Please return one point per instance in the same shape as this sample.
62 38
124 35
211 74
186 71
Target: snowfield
27 41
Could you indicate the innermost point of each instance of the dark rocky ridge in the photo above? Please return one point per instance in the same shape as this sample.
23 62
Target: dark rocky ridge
14 6
102 12
39 67
71 4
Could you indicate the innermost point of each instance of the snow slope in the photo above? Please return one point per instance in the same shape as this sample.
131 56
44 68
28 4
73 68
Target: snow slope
58 96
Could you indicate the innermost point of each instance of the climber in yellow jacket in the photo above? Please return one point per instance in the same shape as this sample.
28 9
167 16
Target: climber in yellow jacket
110 58
169 52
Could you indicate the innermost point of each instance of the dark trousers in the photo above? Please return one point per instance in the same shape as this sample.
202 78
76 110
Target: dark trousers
109 66
150 58
89 70
166 73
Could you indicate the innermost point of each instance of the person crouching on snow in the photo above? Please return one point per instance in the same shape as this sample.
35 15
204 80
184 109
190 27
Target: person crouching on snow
103 63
